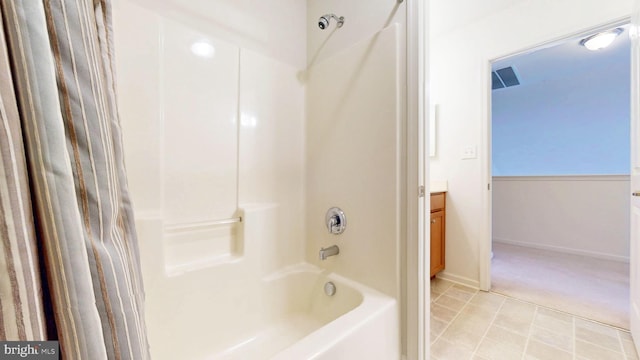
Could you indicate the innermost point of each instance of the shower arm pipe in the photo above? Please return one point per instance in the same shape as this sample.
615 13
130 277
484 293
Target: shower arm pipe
323 22
171 228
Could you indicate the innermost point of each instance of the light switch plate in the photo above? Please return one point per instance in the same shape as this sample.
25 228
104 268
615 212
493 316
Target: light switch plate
469 152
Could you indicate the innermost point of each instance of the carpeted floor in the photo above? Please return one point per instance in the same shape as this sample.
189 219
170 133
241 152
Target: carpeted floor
588 287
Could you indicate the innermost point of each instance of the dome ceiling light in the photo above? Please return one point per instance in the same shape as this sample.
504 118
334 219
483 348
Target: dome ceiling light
600 40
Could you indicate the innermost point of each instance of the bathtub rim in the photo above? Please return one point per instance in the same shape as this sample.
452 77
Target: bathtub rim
374 303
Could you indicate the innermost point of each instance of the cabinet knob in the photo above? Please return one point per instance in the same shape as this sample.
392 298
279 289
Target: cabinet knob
433 221
636 193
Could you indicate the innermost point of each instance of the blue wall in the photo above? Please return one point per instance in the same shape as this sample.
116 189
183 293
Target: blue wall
576 125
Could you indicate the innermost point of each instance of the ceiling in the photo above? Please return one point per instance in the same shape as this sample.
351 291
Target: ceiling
566 58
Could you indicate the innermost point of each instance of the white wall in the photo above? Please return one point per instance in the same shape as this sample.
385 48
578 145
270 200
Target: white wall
585 215
461 53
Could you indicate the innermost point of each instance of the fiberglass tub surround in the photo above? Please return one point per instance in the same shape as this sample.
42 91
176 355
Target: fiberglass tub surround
235 175
243 313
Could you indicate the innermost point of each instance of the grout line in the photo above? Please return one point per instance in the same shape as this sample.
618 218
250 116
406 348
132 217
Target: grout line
575 338
574 319
455 317
564 312
624 353
493 319
603 347
526 345
433 301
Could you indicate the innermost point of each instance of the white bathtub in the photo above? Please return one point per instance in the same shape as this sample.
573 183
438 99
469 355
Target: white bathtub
239 308
301 322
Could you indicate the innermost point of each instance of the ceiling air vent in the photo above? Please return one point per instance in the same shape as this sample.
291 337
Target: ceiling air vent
504 77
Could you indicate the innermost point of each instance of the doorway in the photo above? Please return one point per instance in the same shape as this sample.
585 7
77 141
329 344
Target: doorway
560 177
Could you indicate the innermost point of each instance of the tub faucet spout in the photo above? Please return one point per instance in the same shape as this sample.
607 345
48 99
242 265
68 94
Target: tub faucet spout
330 251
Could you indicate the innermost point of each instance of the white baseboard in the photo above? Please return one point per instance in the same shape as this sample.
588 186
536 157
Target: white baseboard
458 279
565 250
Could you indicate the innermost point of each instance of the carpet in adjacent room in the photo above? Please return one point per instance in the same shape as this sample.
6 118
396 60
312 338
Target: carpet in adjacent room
592 288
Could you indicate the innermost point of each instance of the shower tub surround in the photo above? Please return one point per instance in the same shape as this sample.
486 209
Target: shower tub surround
229 309
234 175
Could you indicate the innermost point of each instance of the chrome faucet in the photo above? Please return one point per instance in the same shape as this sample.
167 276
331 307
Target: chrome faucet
330 251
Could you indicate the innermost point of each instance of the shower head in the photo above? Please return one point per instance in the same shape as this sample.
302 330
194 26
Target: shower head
323 22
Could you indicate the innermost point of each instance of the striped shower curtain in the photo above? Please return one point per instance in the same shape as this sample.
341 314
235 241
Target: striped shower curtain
69 266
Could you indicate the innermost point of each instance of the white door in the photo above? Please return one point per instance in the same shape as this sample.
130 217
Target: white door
635 175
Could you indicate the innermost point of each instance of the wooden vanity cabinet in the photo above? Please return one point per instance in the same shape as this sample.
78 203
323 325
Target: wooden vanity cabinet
437 232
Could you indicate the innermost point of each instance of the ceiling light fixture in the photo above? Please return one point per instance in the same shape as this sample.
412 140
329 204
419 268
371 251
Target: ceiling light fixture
600 40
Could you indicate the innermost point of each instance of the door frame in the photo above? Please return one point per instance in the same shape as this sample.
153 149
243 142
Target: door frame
634 258
417 285
485 246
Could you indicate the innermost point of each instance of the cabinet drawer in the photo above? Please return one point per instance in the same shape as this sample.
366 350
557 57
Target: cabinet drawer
437 201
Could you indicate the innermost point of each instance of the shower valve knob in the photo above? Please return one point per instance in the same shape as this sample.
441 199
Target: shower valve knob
336 221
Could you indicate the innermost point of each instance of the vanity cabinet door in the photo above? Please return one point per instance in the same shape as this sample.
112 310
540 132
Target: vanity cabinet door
437 242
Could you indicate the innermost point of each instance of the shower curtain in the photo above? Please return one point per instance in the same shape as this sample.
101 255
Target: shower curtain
69 267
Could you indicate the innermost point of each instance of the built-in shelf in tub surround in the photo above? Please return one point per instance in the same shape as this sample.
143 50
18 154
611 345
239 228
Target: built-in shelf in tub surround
438 186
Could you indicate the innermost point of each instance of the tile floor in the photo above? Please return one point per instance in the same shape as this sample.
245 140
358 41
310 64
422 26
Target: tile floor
477 325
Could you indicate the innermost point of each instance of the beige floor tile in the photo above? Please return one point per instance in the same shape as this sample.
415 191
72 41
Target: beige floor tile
555 321
437 326
443 313
515 324
440 285
625 335
558 315
445 350
476 313
464 289
459 294
629 349
469 324
518 309
462 337
451 303
599 338
515 340
594 352
466 324
486 300
596 327
541 351
497 350
562 341
433 338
